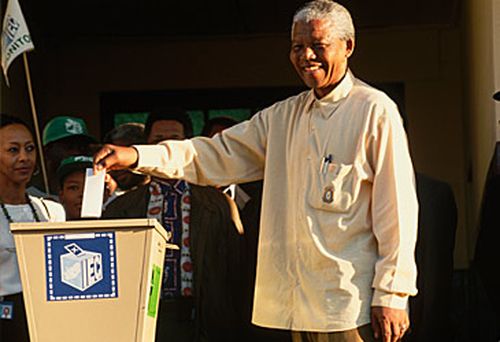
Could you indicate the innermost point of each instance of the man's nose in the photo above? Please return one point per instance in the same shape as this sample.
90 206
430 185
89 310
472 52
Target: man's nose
309 53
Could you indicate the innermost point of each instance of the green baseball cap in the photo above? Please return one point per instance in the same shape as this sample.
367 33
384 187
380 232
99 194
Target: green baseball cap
72 164
62 127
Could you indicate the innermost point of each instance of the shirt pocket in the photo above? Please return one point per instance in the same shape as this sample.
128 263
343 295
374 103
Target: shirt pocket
332 190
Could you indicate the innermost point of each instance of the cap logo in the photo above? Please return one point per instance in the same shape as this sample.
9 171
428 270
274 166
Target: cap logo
83 159
73 127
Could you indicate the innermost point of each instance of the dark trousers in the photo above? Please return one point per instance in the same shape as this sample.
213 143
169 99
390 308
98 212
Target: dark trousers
15 329
360 334
175 321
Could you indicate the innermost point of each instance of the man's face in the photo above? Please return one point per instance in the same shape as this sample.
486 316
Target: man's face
71 194
166 130
319 58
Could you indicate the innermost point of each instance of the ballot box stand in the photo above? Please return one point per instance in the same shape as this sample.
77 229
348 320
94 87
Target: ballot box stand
91 280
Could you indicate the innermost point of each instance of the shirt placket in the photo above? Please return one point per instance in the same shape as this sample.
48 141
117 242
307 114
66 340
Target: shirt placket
305 143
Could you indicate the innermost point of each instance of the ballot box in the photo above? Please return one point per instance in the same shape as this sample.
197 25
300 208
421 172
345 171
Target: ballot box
91 280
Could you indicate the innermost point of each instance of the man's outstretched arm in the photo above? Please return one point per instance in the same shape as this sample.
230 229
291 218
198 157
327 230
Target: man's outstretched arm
236 155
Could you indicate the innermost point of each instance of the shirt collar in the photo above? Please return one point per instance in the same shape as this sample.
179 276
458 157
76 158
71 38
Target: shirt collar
338 93
171 185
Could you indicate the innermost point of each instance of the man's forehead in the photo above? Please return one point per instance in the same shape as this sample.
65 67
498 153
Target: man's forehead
315 29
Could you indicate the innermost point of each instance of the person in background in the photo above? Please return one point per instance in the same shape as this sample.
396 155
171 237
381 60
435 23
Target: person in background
64 136
198 290
339 206
431 309
485 261
217 125
17 163
71 176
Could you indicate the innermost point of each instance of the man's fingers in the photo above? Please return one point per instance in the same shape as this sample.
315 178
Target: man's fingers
375 327
397 331
386 331
101 158
111 157
393 323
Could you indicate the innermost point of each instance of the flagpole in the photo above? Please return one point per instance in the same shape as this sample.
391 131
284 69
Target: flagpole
35 122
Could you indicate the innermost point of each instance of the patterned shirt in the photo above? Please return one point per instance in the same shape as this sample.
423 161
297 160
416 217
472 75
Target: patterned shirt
170 202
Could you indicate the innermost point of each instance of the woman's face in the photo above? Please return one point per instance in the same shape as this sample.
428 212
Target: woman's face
17 154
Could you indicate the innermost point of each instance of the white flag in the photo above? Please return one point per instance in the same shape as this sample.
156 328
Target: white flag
16 38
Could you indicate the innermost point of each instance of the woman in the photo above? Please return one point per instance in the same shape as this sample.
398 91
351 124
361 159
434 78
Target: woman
17 163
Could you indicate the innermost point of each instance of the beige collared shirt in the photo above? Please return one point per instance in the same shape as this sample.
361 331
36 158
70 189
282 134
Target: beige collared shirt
339 208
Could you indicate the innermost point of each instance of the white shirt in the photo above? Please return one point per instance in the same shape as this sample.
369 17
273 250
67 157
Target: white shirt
336 237
10 282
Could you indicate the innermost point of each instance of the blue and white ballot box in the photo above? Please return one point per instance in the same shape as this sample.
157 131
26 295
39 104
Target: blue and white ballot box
91 281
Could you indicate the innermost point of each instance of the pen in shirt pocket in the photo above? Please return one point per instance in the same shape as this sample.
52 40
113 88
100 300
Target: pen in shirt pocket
325 163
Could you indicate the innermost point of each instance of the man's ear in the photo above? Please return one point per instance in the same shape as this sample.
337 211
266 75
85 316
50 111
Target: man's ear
349 47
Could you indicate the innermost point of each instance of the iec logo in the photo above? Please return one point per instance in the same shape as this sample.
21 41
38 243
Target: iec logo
81 266
80 269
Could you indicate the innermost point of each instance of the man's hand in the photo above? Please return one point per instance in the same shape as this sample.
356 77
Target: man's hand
111 157
389 324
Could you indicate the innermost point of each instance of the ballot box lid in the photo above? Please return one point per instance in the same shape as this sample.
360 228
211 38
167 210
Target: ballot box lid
88 224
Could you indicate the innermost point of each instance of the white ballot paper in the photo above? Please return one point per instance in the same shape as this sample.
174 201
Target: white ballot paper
93 192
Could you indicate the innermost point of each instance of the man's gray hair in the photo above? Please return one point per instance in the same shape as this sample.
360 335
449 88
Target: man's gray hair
131 133
337 16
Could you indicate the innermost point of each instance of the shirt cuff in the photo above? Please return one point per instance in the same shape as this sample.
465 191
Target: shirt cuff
149 156
390 300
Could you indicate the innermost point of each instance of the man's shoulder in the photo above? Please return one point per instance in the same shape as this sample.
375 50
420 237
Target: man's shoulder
208 197
206 192
130 199
432 189
370 94
289 101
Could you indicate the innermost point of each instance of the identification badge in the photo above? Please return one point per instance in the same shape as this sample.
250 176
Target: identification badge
328 195
6 310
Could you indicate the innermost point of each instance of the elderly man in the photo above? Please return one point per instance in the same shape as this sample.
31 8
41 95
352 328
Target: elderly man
339 211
